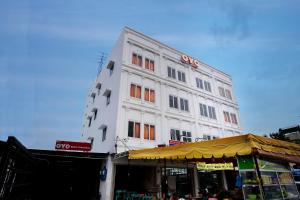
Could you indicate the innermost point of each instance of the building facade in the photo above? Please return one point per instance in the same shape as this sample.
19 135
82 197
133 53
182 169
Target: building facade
150 94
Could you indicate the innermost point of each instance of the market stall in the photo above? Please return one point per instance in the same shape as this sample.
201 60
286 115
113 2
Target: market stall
267 174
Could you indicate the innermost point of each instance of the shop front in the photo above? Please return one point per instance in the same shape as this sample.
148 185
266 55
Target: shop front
242 167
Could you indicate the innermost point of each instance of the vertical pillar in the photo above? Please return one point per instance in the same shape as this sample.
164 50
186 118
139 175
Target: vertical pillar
196 180
107 186
224 180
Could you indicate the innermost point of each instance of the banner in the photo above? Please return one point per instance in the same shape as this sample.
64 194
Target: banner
214 166
175 142
73 146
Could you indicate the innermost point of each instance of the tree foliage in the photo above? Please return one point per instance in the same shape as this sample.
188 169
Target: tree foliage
279 136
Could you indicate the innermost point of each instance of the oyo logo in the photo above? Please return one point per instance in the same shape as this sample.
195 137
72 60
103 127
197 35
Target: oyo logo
186 59
62 146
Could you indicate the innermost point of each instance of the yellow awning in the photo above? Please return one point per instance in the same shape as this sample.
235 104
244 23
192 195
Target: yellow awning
219 148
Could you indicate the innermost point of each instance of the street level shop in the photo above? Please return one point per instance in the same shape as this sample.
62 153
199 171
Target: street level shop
263 165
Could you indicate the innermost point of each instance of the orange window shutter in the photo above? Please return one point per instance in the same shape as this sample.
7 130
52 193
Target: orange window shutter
147 63
152 133
152 65
137 130
140 61
146 96
132 90
152 96
134 59
146 131
138 92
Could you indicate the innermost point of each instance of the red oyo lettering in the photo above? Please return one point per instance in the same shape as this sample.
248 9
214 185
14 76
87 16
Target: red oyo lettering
186 59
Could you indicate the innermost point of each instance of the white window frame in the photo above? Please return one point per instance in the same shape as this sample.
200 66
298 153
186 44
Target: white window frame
212 112
184 104
203 110
199 83
207 86
186 136
172 99
181 76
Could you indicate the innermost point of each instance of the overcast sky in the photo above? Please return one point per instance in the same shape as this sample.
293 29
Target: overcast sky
49 52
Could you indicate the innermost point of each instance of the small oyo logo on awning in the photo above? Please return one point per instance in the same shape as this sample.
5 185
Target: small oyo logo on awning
189 60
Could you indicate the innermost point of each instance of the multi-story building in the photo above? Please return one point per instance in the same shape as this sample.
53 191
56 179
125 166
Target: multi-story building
150 94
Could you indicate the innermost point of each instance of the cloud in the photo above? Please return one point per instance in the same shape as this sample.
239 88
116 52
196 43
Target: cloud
234 26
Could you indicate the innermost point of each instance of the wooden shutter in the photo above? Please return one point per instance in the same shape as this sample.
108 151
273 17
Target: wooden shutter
152 132
138 92
152 96
132 90
146 95
146 131
137 130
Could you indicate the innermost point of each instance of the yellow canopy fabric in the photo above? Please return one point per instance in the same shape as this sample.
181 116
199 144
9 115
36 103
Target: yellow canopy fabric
224 147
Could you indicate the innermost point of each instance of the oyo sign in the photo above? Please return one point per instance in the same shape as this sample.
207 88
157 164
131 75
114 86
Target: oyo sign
191 61
73 146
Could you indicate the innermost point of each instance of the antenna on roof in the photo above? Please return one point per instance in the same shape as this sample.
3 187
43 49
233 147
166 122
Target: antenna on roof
101 60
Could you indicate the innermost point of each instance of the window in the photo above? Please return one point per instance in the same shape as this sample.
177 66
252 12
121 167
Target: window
181 76
110 66
137 59
207 86
135 91
93 95
206 137
104 130
149 64
175 134
89 121
171 72
212 112
226 116
203 110
233 118
186 136
228 94
98 86
149 132
221 92
199 83
149 95
173 101
133 129
95 113
184 105
107 93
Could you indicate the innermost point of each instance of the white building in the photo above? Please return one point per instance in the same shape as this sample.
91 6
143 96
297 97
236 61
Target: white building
149 94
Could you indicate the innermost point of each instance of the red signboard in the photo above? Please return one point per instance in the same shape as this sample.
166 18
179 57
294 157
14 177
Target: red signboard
73 146
174 142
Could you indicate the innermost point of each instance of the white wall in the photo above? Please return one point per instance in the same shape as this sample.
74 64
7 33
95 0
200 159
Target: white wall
124 108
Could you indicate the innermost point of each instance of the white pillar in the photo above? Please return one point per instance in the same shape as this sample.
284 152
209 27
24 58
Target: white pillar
107 186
